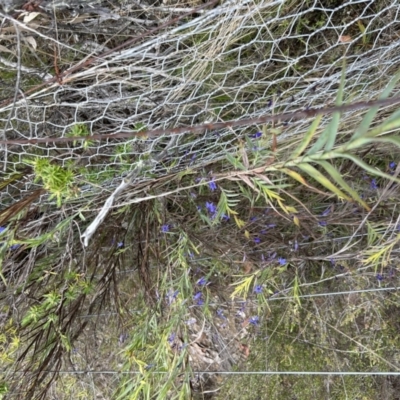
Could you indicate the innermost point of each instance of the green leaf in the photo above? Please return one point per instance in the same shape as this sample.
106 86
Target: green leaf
370 115
368 168
307 137
392 122
235 162
333 127
336 176
314 173
328 136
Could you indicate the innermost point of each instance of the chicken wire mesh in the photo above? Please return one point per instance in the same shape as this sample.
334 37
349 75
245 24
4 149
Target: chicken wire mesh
231 61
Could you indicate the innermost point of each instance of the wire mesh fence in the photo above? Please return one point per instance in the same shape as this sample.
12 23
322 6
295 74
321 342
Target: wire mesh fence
234 61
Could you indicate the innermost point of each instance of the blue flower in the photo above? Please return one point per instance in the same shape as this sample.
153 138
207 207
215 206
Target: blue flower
392 165
171 338
15 246
165 228
254 320
379 277
257 240
120 244
326 212
256 135
226 217
212 185
197 296
220 313
258 289
282 261
211 207
2 229
374 184
202 281
322 223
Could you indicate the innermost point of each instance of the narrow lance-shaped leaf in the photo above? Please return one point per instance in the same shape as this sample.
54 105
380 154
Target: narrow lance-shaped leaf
333 127
336 176
392 122
328 136
295 175
368 168
307 137
370 115
314 173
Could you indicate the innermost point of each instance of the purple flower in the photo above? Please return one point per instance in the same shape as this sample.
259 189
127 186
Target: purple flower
374 184
120 244
257 240
165 228
252 219
202 281
226 217
326 212
171 338
211 207
197 296
282 261
258 289
256 135
220 313
379 277
254 320
322 223
15 246
212 185
2 229
392 165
